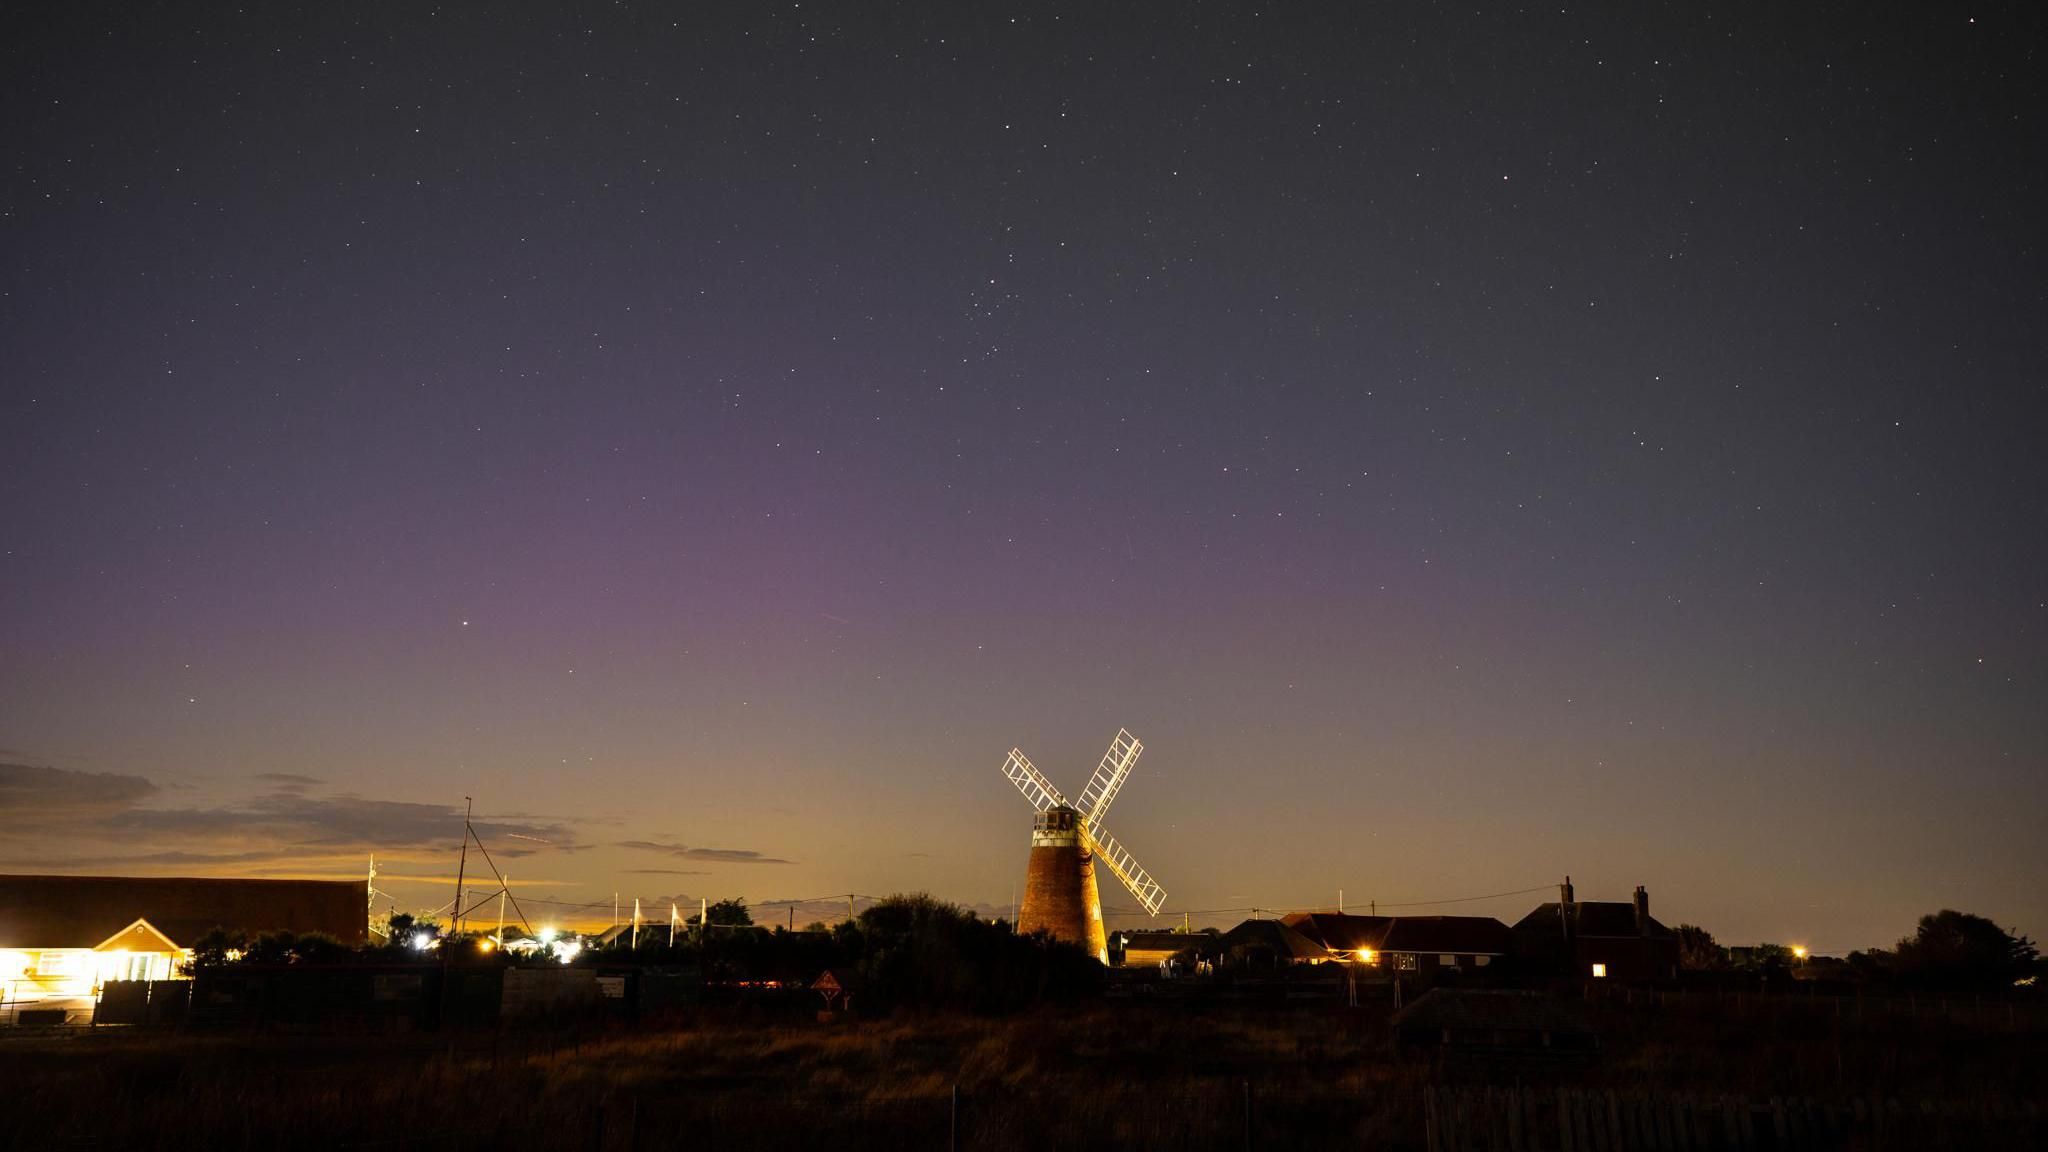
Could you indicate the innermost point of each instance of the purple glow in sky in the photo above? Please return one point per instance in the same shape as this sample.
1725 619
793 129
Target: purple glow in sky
1465 447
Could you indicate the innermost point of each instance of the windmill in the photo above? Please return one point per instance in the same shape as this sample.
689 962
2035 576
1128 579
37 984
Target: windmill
1060 895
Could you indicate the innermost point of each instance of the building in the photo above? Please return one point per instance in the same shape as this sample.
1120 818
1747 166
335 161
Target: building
1598 939
1263 945
1061 897
1146 949
1423 945
62 937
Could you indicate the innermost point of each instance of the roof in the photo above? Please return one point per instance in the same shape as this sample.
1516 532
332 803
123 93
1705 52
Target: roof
140 936
1273 934
1473 934
1489 1009
1343 933
84 911
1167 941
1592 918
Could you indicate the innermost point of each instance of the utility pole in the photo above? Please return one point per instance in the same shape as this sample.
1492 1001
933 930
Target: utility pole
461 865
505 887
1340 901
636 923
849 907
792 917
615 909
703 919
673 916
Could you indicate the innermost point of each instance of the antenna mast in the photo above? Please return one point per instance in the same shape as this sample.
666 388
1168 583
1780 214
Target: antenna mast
461 865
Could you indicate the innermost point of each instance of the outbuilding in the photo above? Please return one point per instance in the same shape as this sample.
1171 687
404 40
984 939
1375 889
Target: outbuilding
63 937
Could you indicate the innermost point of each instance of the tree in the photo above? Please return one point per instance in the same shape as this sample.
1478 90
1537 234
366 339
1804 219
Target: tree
269 948
730 912
1765 959
319 948
401 927
1697 951
919 952
216 949
1951 947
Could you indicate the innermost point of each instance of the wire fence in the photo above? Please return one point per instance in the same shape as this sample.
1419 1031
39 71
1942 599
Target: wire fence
1237 1116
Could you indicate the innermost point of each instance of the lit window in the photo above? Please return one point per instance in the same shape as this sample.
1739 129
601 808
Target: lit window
1481 961
1599 971
1447 961
1405 961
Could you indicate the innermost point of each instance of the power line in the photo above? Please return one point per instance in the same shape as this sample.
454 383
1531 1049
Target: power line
1283 909
1468 899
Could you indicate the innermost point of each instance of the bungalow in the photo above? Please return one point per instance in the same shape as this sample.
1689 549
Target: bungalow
1417 944
1599 939
63 937
1261 945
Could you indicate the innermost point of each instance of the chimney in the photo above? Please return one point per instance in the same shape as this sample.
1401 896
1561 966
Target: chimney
1642 911
1564 893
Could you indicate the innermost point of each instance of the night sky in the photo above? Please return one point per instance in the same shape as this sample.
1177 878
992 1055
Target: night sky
1466 445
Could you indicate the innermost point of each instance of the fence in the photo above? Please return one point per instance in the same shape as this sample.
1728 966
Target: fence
1236 1117
1226 1117
1566 1120
142 1002
2011 1012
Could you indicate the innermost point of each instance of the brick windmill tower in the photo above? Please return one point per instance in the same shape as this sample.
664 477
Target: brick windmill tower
1060 893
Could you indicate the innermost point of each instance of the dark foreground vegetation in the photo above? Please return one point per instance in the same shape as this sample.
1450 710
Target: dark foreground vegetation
964 1035
1948 1075
903 952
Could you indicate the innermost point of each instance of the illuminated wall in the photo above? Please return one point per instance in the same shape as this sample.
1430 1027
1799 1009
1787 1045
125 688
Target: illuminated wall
72 977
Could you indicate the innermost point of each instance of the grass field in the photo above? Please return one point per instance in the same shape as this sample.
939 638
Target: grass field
1137 1076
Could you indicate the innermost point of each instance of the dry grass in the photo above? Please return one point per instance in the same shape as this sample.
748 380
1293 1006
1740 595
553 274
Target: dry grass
1147 1076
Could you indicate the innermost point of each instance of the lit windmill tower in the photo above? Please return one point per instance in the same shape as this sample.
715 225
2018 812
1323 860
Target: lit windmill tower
1060 895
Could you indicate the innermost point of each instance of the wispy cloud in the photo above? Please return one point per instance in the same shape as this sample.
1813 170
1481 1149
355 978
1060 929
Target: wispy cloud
35 797
664 872
55 817
716 855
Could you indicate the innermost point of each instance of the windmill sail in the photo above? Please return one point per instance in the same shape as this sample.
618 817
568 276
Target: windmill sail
1109 776
1031 782
1128 870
